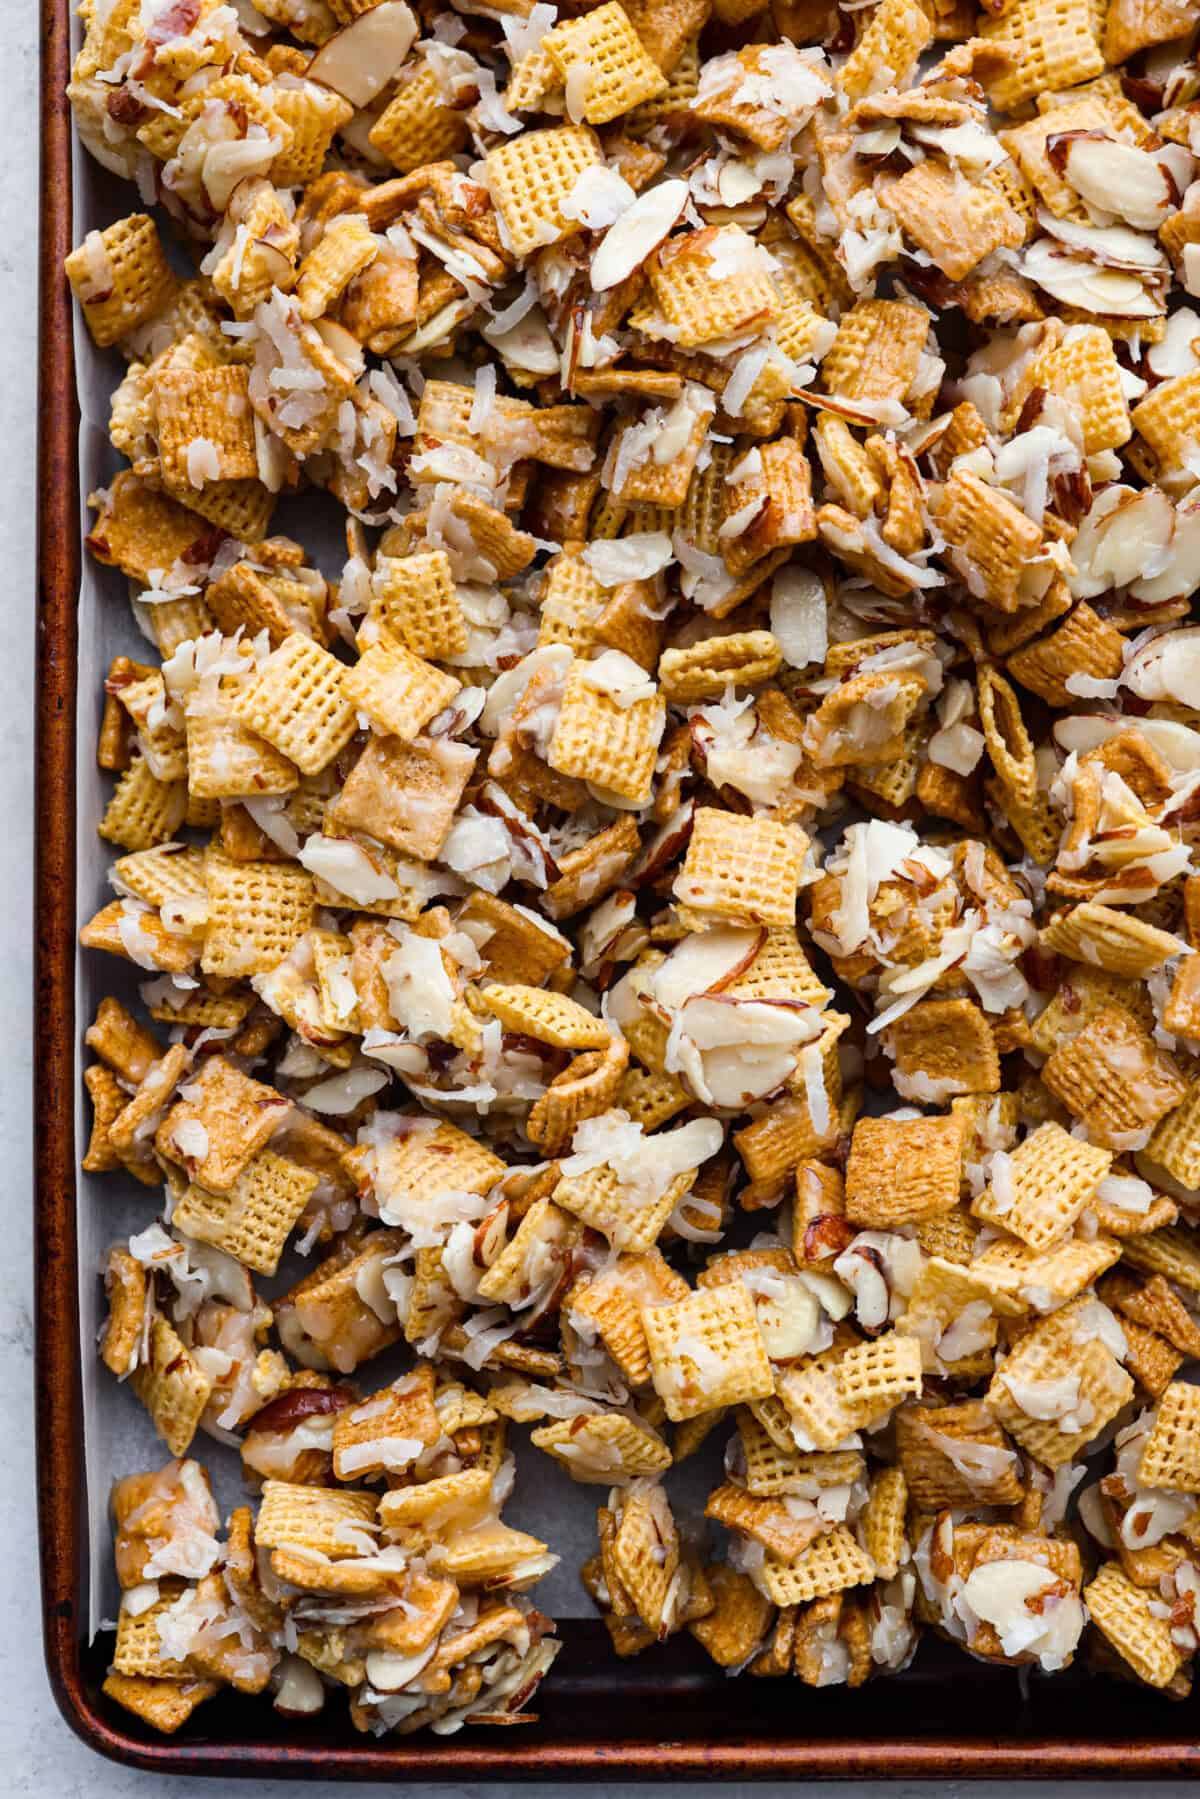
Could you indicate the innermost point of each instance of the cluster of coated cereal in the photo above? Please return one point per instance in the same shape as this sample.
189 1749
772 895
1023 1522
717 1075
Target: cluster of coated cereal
694 928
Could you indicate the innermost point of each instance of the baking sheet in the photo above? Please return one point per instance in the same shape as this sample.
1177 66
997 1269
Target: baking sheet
118 1436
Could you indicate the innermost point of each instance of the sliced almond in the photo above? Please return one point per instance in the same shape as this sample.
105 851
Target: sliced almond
1115 178
528 345
1178 745
390 1673
706 962
299 1691
1179 351
788 1316
734 1077
1112 246
667 844
714 1021
637 233
1076 282
1167 668
1181 576
1126 534
359 61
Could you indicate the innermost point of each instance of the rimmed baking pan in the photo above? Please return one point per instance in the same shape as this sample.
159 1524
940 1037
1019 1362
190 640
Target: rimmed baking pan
670 1714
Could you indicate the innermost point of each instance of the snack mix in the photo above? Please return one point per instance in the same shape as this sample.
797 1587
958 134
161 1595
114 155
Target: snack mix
690 927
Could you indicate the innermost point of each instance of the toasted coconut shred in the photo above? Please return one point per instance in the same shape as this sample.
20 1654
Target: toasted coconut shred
689 927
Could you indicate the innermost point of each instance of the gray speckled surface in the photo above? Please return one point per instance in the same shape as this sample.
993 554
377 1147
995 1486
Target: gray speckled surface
37 1752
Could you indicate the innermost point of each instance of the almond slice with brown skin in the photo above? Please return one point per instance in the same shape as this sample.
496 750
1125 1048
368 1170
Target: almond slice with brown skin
360 60
1167 668
706 962
638 232
1074 282
1115 178
1112 246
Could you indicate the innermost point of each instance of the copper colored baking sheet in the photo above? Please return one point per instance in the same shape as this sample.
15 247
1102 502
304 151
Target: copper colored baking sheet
668 1714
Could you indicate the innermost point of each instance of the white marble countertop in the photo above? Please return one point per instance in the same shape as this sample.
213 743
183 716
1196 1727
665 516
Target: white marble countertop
38 1754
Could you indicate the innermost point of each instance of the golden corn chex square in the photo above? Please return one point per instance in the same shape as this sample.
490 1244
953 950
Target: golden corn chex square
253 1221
417 126
1171 1456
297 701
398 691
746 870
550 1017
138 1649
936 1453
882 1523
830 1396
948 1044
1085 1382
1028 145
121 277
144 811
1055 44
957 224
604 1448
414 599
876 351
1172 1251
345 247
257 912
221 1119
1119 942
128 929
617 72
530 176
710 283
240 597
437 1507
611 1304
335 1522
788 1132
1125 1615
167 872
534 1255
172 1386
1082 993
610 745
903 1170
705 670
404 794
571 603
763 1520
139 529
410 1169
515 947
830 1565
888 49
1012 1271
706 1351
1112 1077
645 1553
990 539
165 1705
629 1217
1084 644
226 761
388 1431
590 1085
1045 1185
735 1626
205 429
1175 1142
